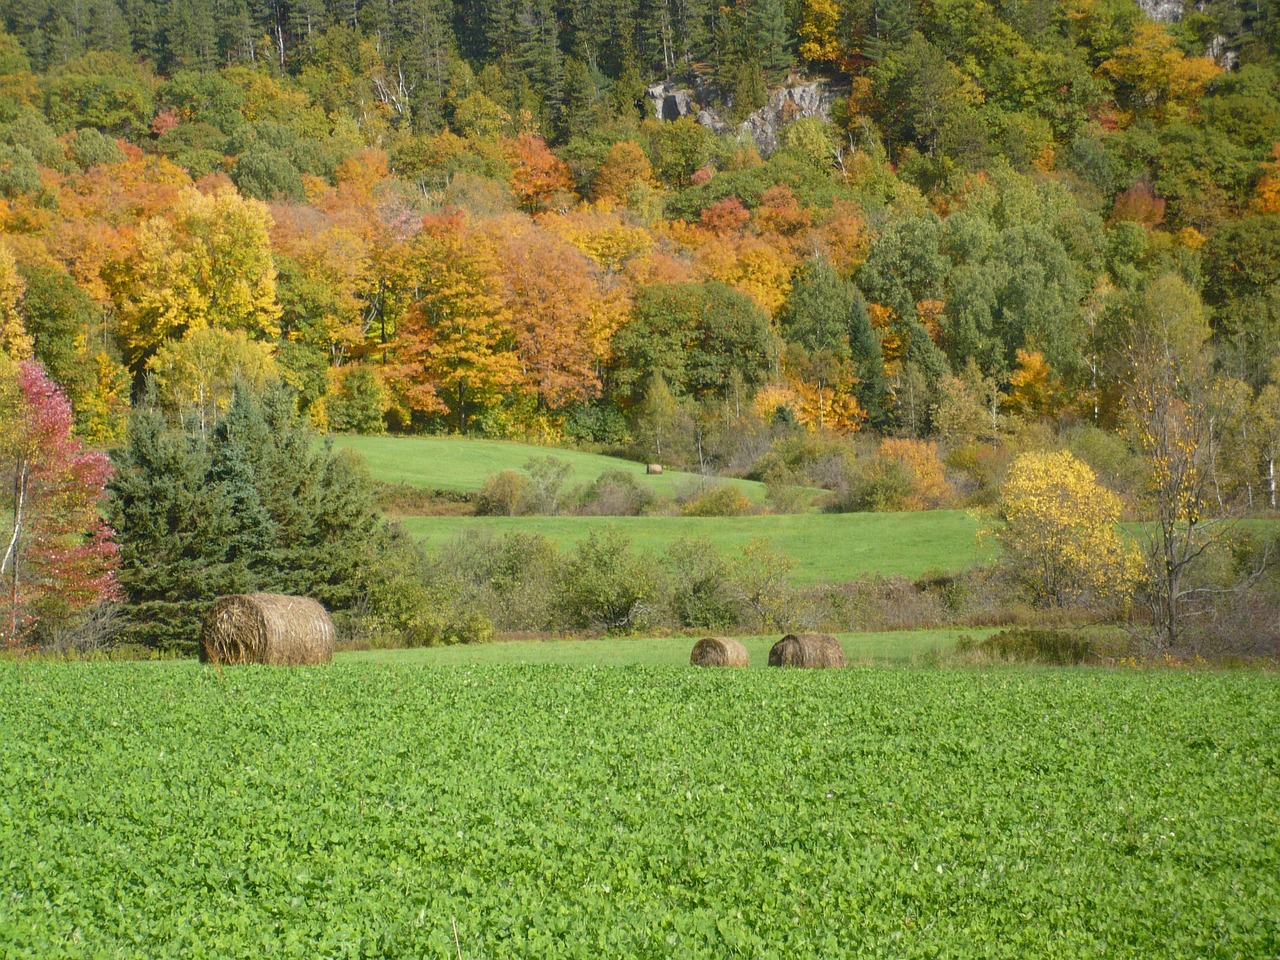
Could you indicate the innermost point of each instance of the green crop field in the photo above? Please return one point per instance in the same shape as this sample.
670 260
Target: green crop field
461 465
828 548
372 810
869 647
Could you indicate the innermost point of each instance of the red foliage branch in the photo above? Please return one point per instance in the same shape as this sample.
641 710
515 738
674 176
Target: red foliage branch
56 544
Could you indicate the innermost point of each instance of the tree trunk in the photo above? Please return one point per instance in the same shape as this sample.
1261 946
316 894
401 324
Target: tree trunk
9 564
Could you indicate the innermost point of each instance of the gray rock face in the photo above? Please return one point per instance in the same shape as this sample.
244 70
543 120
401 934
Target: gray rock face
786 104
1226 59
1165 11
670 102
709 118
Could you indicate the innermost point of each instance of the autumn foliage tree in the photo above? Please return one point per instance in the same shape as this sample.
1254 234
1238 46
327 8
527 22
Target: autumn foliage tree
59 557
1059 534
561 320
207 265
538 177
455 349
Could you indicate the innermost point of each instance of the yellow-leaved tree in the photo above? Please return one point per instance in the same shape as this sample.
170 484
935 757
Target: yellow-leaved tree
819 42
14 340
1059 533
209 264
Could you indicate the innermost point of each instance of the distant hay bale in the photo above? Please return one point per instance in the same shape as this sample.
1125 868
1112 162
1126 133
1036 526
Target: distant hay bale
266 628
653 469
719 652
812 651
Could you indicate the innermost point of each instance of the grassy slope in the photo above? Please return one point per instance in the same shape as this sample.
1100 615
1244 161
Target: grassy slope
830 548
460 464
894 647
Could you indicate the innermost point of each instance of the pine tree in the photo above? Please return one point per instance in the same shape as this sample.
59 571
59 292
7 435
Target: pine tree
537 51
827 314
769 34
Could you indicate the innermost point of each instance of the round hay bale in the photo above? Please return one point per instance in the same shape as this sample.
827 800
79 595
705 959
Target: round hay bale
266 628
719 652
653 469
812 651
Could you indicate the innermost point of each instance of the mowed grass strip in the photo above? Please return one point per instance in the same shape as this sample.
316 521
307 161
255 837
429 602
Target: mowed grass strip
870 647
828 548
165 810
461 465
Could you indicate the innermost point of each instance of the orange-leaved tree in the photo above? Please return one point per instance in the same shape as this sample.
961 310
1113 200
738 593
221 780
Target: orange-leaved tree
539 179
455 348
561 319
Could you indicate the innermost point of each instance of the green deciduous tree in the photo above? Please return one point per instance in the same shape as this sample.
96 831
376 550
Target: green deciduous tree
696 335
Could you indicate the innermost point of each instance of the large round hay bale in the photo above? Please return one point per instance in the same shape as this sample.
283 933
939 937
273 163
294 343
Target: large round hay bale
719 652
813 651
266 628
653 469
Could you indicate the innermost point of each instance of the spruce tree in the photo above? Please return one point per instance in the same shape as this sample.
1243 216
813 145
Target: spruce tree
257 505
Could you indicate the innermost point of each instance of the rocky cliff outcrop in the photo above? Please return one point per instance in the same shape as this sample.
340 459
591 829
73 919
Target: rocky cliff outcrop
670 102
1165 11
786 104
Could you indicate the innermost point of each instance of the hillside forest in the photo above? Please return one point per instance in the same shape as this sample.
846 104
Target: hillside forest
877 248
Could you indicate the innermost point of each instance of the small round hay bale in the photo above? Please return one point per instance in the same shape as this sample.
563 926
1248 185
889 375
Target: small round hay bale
719 652
653 469
812 651
266 628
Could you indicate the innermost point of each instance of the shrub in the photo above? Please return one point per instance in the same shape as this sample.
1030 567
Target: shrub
615 493
1033 645
608 587
701 591
879 485
719 501
760 585
546 482
928 490
786 489
512 578
504 494
1059 534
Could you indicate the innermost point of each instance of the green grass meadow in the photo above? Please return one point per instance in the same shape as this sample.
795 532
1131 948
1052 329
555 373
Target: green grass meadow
828 548
400 810
459 464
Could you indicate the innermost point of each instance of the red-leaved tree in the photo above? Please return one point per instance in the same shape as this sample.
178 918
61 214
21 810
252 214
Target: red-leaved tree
58 554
